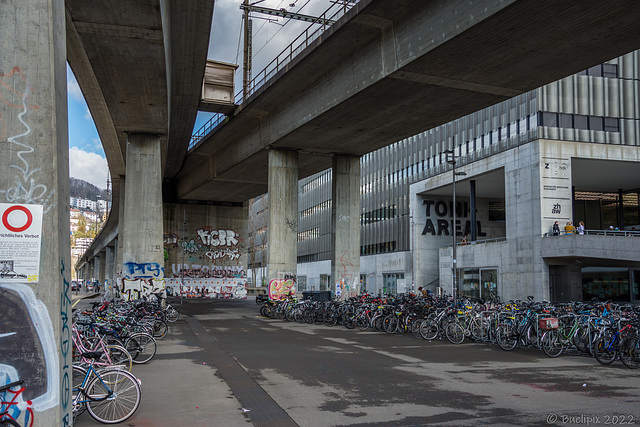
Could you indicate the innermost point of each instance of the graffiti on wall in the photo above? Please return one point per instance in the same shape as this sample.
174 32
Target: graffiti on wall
217 238
132 289
232 254
282 288
207 288
145 270
28 353
204 271
65 346
25 189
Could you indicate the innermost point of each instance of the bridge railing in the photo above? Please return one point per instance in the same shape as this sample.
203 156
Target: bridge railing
300 43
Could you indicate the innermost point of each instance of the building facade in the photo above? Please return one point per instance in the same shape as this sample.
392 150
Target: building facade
566 152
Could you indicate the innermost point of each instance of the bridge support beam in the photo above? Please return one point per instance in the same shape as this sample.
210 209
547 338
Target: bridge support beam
283 220
35 305
142 248
345 219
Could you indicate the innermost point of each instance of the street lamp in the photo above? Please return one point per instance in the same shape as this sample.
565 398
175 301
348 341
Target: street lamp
451 159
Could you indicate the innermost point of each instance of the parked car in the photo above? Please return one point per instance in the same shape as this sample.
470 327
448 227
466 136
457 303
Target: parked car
89 287
75 286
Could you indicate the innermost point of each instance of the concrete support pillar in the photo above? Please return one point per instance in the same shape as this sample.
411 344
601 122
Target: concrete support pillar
345 219
102 272
34 159
98 268
283 220
109 267
121 224
142 247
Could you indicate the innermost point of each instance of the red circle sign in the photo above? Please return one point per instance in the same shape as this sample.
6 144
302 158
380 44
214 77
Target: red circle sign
5 218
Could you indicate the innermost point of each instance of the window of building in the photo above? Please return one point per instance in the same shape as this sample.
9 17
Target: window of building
363 283
596 123
522 126
497 211
565 120
581 122
610 70
595 71
549 119
390 283
611 124
606 283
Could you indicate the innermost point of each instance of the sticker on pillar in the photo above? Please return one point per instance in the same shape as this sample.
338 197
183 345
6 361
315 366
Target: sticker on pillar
20 236
338 289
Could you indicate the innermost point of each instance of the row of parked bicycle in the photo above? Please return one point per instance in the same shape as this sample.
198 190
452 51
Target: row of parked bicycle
606 331
107 342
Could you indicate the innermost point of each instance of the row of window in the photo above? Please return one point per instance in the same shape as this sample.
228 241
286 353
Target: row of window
314 233
381 214
579 121
316 209
378 248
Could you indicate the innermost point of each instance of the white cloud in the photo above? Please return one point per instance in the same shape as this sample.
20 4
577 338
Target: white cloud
90 167
73 88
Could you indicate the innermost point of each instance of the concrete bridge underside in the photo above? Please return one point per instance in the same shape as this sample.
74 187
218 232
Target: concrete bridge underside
393 68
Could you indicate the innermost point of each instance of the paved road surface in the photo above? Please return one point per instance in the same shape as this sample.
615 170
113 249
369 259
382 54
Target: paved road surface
225 365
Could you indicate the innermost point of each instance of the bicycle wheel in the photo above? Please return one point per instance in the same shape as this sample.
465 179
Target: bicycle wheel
362 322
173 314
8 422
114 396
79 373
454 332
390 323
429 329
415 328
118 355
142 347
552 343
630 352
605 351
160 329
581 340
506 337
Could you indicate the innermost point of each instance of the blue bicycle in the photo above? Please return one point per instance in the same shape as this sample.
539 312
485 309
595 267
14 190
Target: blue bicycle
110 395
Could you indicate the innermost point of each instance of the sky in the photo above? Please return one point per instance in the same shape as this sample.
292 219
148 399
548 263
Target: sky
270 36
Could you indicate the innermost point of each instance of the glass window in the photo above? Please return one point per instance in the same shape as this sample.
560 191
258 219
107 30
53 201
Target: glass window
565 120
605 283
513 129
595 71
533 121
610 70
580 122
523 125
549 119
494 137
503 133
488 283
596 123
469 283
611 124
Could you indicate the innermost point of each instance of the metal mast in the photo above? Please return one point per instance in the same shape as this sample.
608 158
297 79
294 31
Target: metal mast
247 7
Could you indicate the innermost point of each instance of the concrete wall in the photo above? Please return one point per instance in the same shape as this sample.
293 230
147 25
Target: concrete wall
35 309
205 248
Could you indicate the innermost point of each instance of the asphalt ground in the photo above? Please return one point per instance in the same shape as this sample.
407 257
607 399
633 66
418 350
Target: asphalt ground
222 364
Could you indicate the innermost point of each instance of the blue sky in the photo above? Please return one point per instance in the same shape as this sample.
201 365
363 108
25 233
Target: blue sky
86 156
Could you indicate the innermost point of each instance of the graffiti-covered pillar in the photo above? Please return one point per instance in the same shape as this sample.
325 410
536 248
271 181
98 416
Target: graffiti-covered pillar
283 222
35 299
142 248
345 218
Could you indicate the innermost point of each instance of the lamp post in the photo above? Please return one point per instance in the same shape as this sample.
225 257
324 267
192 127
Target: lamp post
451 159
